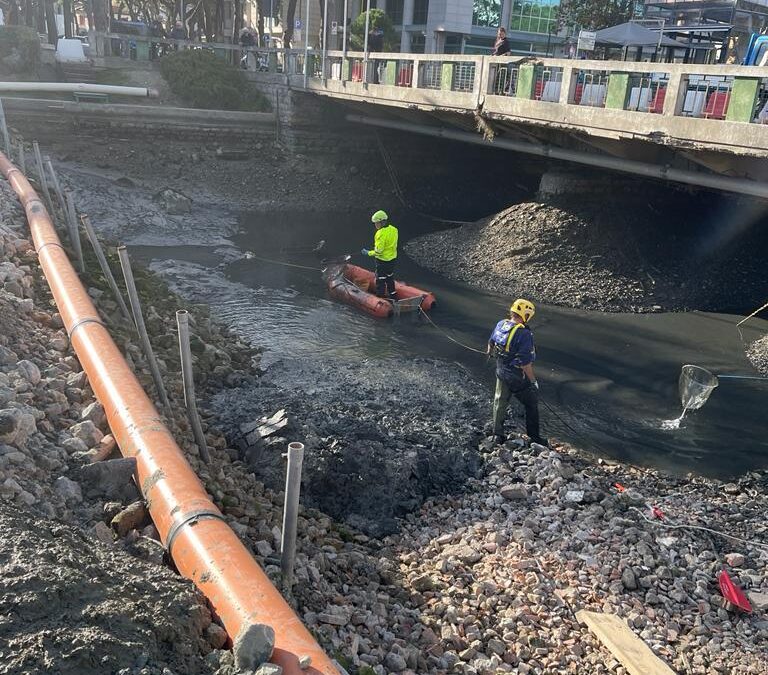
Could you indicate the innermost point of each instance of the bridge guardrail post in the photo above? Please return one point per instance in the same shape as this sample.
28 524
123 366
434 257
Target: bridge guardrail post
416 74
568 86
482 75
744 93
526 81
673 102
446 76
617 90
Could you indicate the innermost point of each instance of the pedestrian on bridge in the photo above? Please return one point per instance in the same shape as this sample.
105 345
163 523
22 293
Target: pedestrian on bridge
501 45
385 252
511 342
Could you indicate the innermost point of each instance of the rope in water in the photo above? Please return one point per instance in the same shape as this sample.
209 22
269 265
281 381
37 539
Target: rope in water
757 311
251 256
446 335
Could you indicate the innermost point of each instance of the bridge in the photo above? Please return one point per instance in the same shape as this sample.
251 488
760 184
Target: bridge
702 125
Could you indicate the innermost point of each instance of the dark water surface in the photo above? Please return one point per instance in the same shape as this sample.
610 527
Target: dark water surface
610 378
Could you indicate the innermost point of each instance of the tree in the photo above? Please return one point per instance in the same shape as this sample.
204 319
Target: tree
378 19
596 14
290 13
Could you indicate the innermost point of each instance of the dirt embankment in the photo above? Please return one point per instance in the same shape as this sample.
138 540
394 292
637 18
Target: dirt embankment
614 255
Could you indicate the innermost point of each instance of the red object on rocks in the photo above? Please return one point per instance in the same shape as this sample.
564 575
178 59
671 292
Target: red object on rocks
732 593
656 512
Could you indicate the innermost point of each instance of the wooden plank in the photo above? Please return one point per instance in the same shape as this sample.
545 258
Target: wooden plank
630 650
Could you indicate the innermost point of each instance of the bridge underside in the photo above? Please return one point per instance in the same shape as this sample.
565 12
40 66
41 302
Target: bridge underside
652 157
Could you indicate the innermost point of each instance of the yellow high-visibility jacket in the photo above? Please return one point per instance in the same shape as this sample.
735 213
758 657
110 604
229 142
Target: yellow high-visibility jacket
385 244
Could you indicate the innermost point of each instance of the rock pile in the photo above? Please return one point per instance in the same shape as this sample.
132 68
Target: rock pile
610 255
758 354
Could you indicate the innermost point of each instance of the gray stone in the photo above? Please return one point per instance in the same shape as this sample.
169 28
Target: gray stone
109 478
513 492
95 413
68 489
253 646
103 533
16 426
73 445
29 371
174 203
268 669
464 553
423 583
86 432
759 600
394 663
7 357
263 548
735 559
305 662
628 579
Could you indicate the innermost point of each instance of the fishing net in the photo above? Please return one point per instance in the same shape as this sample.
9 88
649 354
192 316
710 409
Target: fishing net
695 384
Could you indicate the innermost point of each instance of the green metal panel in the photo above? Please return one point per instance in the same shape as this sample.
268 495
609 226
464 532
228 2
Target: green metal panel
142 51
446 77
617 91
741 107
390 73
525 81
345 70
272 60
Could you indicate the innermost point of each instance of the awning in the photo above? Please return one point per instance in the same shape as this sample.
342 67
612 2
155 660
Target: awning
634 35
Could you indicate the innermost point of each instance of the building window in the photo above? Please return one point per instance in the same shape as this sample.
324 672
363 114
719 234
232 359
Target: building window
418 43
534 16
420 12
395 11
486 13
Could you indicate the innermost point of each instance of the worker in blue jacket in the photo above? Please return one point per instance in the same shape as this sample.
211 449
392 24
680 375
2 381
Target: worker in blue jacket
512 344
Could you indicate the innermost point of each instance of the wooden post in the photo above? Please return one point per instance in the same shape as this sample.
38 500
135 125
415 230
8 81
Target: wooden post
74 230
89 231
182 321
138 319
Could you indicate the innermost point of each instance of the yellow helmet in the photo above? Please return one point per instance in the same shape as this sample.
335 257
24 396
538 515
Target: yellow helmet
379 216
525 309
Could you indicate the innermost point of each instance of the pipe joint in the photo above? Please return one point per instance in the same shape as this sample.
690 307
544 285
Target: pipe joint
190 519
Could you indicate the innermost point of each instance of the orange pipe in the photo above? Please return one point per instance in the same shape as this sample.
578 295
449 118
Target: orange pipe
204 548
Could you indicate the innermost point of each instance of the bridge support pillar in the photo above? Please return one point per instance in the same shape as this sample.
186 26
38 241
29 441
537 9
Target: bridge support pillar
616 93
526 81
741 107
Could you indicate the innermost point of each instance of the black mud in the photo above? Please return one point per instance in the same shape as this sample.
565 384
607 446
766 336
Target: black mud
379 438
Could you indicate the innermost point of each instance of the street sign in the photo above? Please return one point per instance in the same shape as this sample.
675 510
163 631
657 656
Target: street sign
334 27
297 24
587 40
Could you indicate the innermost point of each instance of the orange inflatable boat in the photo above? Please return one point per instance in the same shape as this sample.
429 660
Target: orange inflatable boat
356 286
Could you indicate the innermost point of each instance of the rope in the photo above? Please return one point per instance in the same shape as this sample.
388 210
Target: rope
757 311
446 335
250 255
703 529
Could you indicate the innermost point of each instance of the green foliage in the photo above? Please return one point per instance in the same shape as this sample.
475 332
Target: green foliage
378 20
597 14
203 80
23 43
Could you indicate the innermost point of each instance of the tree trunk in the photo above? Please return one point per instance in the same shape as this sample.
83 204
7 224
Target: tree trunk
290 13
67 7
50 22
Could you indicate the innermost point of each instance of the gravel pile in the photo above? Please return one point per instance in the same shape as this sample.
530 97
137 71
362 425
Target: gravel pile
758 354
603 256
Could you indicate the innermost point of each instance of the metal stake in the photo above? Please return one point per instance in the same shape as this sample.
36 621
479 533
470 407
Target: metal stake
291 512
41 176
105 265
56 185
138 319
306 45
365 39
182 320
6 137
325 38
74 230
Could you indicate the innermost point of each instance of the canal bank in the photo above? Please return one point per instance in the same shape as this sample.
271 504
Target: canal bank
382 602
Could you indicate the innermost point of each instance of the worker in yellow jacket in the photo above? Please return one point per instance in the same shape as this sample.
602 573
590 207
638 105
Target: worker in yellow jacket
385 251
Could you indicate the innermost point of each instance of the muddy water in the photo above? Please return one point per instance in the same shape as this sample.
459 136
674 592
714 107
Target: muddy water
609 381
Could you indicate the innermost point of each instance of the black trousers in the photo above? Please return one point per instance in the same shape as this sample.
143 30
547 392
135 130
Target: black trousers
385 279
528 396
